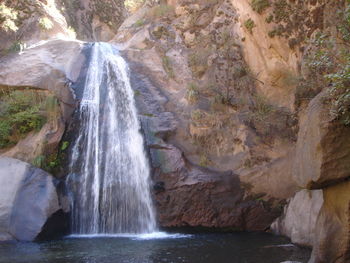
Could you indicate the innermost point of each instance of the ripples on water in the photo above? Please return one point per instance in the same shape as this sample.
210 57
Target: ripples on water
157 248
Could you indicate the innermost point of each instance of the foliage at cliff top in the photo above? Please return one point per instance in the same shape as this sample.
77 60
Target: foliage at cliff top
8 17
20 113
330 62
133 5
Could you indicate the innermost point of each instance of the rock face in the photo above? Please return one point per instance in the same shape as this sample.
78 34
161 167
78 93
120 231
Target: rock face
225 98
322 150
318 217
94 20
187 195
50 68
28 198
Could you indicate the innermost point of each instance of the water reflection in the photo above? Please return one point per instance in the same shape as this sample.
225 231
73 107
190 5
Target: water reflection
204 248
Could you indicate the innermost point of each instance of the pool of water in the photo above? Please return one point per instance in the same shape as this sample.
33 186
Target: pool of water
157 248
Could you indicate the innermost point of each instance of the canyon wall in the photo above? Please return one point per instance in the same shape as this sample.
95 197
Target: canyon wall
236 119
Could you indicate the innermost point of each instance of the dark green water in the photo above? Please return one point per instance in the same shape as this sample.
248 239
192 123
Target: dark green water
198 248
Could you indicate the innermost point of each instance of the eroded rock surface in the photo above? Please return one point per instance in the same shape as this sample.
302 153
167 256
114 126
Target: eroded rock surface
187 195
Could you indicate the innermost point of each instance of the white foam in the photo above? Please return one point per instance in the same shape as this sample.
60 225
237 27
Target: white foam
147 236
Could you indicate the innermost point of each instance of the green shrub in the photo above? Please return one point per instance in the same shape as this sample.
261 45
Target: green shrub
45 23
167 65
204 160
39 161
329 65
65 145
20 113
17 46
249 25
8 16
261 109
340 92
133 5
71 32
198 61
192 94
139 23
260 5
197 115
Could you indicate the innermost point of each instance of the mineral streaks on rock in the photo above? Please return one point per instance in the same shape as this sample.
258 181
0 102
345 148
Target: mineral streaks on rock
28 198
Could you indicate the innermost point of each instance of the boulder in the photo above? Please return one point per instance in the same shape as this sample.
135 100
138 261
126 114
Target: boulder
28 198
299 218
331 240
196 197
320 219
43 65
323 148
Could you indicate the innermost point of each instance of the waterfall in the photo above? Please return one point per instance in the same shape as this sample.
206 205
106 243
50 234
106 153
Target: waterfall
109 172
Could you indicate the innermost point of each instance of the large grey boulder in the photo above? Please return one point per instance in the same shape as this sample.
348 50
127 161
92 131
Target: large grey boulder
28 198
299 218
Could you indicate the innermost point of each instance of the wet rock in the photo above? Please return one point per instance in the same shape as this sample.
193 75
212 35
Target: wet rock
28 198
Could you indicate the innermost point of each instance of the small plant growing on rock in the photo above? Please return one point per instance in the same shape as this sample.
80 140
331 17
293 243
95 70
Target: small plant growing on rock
198 61
249 25
204 160
197 115
139 23
45 23
192 94
260 5
71 32
167 65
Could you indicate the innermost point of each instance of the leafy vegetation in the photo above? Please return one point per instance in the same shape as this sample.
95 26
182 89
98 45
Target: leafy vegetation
167 65
204 161
249 25
71 32
198 61
192 94
139 23
133 5
329 65
260 5
45 23
8 17
20 113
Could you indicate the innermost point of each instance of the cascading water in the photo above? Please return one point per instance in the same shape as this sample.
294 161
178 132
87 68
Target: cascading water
109 172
